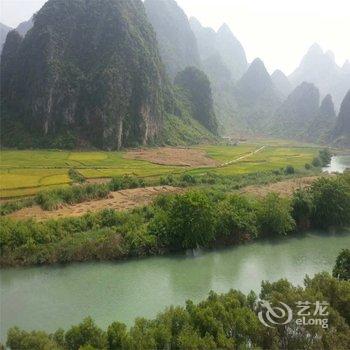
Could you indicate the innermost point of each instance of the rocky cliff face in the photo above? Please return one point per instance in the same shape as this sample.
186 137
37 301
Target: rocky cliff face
296 113
196 85
177 43
341 132
87 70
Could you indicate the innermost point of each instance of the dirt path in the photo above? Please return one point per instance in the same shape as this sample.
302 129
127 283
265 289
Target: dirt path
243 157
284 188
119 200
173 156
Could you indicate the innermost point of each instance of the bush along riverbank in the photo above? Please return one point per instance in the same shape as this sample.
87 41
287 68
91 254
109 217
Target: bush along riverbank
198 218
222 321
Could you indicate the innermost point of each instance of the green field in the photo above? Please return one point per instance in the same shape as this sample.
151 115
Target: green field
27 172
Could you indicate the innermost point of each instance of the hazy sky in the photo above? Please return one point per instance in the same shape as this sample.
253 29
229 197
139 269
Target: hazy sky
277 31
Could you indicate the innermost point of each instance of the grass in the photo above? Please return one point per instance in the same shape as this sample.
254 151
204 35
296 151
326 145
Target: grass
24 173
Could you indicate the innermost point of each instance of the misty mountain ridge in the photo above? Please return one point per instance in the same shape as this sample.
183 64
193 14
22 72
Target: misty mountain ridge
281 83
319 67
341 132
153 35
176 41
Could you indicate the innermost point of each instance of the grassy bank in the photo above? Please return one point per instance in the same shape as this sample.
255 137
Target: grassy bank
202 217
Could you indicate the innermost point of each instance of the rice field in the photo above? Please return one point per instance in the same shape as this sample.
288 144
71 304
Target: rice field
24 173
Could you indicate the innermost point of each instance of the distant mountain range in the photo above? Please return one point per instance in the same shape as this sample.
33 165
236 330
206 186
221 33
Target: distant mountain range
143 71
320 68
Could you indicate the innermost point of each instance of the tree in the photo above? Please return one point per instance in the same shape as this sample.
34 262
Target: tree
117 336
342 265
187 221
325 156
316 162
302 207
274 216
236 217
331 202
86 333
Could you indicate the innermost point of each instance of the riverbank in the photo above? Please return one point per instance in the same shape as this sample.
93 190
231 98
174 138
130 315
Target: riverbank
205 218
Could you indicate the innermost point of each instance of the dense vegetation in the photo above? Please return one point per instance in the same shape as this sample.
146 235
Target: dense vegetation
222 321
342 265
204 218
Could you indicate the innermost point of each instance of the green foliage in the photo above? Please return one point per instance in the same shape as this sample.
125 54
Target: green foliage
186 222
307 166
124 182
51 200
289 170
342 265
274 216
331 201
222 321
12 206
325 156
86 333
205 218
75 176
236 218
302 208
316 162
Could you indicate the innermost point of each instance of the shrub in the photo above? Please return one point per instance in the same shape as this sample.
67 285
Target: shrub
236 217
75 176
325 156
125 182
307 166
51 200
331 202
302 208
86 333
10 207
274 216
188 179
342 265
316 162
187 222
289 170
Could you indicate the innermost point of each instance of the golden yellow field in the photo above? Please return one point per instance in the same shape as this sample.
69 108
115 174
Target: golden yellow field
26 172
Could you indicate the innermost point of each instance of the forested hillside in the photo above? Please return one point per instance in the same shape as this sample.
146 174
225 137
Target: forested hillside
93 78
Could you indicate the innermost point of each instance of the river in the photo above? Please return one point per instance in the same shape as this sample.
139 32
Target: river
338 164
54 296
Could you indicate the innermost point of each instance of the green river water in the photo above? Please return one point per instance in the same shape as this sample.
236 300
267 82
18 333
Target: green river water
51 297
